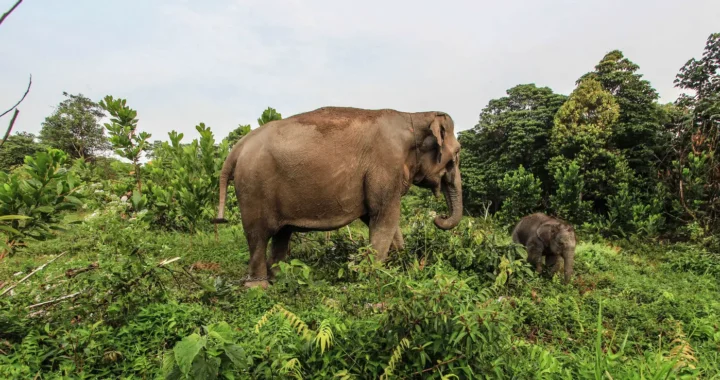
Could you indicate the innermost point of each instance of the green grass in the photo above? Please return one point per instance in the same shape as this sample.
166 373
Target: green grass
442 295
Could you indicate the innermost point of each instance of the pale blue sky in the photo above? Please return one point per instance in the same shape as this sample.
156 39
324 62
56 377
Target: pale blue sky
223 61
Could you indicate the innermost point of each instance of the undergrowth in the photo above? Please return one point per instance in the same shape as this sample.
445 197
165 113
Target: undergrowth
141 303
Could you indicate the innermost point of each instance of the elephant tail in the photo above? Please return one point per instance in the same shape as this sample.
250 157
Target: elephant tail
227 169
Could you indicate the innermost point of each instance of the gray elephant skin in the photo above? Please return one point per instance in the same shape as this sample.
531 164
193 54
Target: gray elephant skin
550 237
323 169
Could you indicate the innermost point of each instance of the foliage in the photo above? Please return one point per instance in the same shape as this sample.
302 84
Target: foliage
268 115
236 134
33 198
567 202
522 195
184 182
74 127
126 142
513 130
17 146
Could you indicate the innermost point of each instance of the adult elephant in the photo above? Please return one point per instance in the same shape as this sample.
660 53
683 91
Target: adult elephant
320 170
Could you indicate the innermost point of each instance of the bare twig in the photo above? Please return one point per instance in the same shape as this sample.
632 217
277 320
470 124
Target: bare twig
4 16
21 99
10 127
55 300
70 273
434 368
41 267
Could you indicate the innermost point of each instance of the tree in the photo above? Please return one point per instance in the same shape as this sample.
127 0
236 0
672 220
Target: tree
123 127
512 131
638 132
74 127
236 134
581 133
269 115
16 148
695 123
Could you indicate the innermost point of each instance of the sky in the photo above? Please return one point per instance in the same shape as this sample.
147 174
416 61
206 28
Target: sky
222 62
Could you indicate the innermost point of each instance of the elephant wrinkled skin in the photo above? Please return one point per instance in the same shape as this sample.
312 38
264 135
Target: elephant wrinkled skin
553 238
323 169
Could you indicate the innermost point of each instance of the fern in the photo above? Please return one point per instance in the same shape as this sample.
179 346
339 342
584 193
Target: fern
682 351
395 358
292 367
297 324
324 336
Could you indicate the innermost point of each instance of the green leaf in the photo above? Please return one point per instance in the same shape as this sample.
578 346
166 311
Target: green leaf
205 368
45 209
235 353
222 331
14 217
10 230
186 350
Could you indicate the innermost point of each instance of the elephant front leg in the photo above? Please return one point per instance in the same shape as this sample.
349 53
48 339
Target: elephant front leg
383 228
535 256
553 263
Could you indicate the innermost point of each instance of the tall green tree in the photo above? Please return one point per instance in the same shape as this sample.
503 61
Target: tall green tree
582 130
269 115
75 127
512 131
695 123
638 132
16 148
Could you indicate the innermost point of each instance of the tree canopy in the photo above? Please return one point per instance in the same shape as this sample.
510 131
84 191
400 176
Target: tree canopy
75 127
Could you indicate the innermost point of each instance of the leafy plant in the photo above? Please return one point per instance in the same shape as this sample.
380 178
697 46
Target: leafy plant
33 199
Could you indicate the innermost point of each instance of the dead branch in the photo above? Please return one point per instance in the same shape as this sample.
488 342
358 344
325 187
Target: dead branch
55 300
6 14
41 267
21 99
10 127
70 273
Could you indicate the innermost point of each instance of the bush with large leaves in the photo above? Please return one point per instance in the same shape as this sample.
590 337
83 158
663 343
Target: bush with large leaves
33 198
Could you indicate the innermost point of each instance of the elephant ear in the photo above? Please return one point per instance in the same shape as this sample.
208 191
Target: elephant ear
546 232
438 130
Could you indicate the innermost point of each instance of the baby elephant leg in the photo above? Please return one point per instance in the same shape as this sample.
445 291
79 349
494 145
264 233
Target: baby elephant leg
535 256
553 263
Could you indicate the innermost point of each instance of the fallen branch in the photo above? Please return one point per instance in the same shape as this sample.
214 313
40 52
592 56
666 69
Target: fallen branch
55 300
434 368
41 267
4 16
70 273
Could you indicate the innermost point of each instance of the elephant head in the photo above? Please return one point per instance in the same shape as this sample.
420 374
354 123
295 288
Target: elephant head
560 237
439 164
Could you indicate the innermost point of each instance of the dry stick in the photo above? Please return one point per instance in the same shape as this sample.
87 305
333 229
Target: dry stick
41 267
21 99
55 300
10 127
4 16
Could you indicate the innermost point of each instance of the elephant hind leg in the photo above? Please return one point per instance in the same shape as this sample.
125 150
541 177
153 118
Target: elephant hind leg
258 273
279 250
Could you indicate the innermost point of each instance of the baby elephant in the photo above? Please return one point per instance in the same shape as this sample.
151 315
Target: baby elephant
543 235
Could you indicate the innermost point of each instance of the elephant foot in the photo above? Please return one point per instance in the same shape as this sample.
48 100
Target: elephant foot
251 284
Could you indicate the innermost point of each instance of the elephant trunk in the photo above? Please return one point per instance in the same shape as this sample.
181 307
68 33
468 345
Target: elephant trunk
569 261
453 196
227 168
